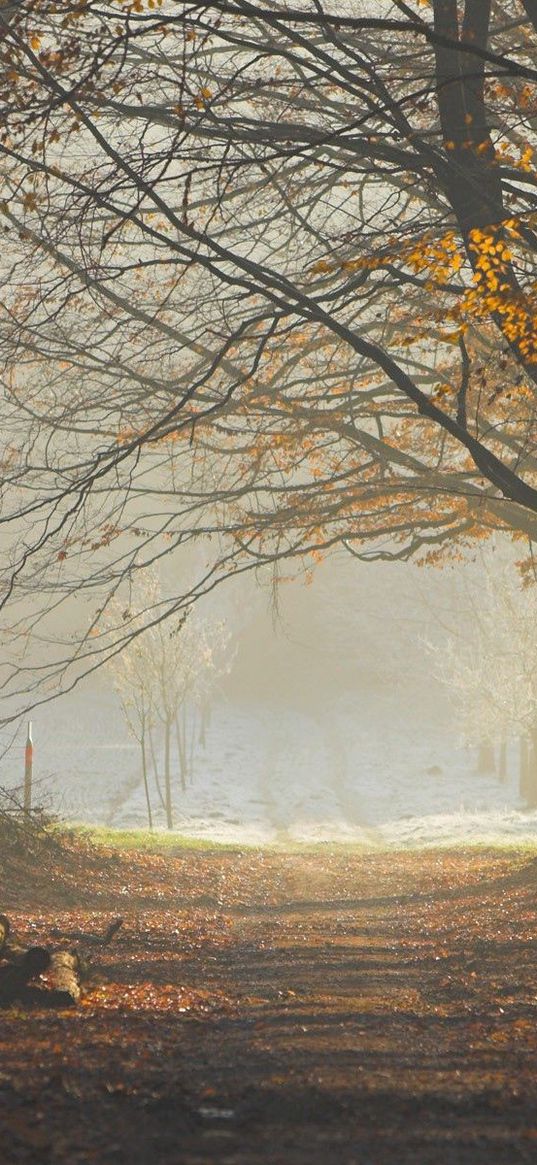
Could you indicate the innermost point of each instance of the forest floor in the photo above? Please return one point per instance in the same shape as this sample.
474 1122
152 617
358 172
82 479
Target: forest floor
259 1007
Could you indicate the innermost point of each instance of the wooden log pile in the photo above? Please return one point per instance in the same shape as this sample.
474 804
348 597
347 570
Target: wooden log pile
22 969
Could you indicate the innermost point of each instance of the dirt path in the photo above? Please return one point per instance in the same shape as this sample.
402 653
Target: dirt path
285 1008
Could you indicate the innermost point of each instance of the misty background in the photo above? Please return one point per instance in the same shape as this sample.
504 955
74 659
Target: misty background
331 720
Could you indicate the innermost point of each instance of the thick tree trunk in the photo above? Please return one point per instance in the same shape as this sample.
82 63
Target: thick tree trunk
472 178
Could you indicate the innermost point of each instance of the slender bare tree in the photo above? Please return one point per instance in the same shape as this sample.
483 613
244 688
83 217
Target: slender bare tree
165 676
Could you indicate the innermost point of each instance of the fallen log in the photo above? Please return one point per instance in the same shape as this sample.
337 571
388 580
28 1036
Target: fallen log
64 977
15 976
19 966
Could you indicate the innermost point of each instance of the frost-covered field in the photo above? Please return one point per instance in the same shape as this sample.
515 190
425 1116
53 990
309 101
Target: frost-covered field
264 777
268 773
332 726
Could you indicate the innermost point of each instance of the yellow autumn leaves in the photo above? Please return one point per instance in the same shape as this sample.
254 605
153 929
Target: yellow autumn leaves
491 290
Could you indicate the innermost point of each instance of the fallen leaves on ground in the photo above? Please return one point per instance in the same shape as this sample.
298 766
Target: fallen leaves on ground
267 1007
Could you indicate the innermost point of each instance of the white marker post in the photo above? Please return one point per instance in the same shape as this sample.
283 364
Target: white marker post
28 769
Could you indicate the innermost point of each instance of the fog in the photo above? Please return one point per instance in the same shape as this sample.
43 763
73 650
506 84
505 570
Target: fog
331 720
